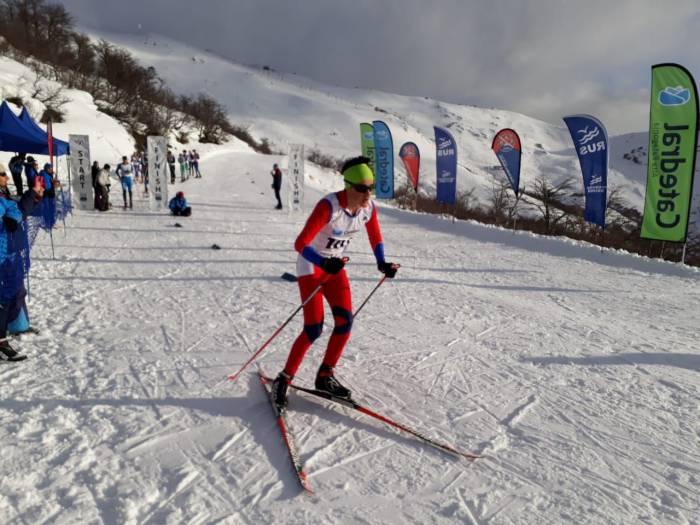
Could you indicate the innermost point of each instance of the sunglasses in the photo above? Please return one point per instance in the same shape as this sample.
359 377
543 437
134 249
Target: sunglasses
3 174
363 188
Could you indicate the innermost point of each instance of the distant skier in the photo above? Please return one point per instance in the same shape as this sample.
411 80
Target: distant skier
321 244
277 184
124 172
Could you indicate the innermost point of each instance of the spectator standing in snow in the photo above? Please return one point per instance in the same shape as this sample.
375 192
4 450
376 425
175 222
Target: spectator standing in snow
102 187
31 170
13 309
94 170
321 244
124 172
16 166
144 172
178 205
277 184
136 164
171 164
47 181
182 160
195 163
190 163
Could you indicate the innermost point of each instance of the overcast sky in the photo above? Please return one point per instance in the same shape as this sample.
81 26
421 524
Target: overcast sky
543 58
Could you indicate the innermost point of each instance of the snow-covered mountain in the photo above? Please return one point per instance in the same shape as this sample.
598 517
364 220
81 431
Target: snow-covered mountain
287 108
573 370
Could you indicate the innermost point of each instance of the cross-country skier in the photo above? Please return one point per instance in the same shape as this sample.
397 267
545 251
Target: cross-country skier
329 229
124 171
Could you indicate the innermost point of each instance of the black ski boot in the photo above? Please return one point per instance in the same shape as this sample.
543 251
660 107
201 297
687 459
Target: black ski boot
279 391
7 353
326 381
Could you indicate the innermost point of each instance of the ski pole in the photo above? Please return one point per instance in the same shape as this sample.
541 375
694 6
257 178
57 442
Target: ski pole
233 377
381 281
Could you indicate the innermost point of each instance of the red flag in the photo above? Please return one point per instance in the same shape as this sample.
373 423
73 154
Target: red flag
49 132
410 155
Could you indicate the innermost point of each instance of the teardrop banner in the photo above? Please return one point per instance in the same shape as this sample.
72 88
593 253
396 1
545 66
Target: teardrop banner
591 140
506 146
673 140
410 155
445 166
384 161
367 143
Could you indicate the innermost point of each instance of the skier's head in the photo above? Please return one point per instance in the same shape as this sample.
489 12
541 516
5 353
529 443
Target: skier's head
358 175
180 195
107 167
274 166
48 166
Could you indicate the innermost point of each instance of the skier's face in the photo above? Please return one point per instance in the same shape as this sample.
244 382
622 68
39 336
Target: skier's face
362 192
3 180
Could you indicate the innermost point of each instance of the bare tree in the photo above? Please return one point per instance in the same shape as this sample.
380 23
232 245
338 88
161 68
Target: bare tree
549 200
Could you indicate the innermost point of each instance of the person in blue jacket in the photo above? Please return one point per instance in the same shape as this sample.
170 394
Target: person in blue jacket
47 181
12 268
178 205
31 170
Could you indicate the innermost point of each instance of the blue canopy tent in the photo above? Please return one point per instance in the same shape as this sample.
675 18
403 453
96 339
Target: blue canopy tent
14 135
60 147
25 136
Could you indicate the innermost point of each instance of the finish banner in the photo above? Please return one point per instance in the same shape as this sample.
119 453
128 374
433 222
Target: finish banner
80 168
295 177
591 141
673 139
367 142
410 155
384 161
157 173
445 166
506 146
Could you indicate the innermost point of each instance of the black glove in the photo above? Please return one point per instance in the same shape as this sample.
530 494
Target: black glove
50 194
332 265
388 269
10 223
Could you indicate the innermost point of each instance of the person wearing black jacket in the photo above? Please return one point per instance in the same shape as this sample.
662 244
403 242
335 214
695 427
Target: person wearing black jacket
16 166
277 184
94 170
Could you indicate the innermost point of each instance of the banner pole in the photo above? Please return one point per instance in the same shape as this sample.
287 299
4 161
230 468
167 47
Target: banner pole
684 246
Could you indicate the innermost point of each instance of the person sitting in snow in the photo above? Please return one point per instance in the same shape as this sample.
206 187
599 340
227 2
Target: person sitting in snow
178 205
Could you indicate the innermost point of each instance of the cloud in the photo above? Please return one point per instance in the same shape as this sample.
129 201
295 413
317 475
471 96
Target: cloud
544 58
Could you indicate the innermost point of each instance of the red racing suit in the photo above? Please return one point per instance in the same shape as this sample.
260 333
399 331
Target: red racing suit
327 233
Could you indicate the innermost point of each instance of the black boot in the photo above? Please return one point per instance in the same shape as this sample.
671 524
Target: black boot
7 353
279 391
326 381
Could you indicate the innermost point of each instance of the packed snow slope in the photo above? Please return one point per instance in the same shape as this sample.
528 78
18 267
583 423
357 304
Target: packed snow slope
575 372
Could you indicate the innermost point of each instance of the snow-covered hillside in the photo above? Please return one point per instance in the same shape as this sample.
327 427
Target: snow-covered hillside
287 108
